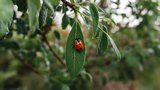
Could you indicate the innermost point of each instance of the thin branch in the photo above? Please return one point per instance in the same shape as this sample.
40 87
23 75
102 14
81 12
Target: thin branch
72 6
50 48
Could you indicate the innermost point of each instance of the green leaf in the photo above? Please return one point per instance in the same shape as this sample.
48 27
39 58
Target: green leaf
31 55
45 55
78 1
49 21
57 35
74 60
132 60
52 3
86 20
33 13
97 33
6 10
49 4
9 45
113 44
21 27
64 8
95 18
103 42
65 21
58 8
22 5
65 87
23 54
6 13
71 21
55 2
72 1
3 29
43 15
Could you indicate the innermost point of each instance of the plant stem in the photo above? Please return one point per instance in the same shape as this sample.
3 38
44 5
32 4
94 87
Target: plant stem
71 5
50 48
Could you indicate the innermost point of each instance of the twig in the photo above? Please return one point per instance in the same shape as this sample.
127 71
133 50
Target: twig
72 6
50 48
69 4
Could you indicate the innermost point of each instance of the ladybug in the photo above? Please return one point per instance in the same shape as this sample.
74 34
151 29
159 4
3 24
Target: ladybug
78 44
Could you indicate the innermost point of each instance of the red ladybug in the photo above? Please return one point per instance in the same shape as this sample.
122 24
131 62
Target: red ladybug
78 44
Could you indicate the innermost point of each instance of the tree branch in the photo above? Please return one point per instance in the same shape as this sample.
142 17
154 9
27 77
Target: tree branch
72 6
50 48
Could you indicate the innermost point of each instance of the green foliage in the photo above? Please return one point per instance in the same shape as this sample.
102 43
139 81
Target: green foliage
37 52
95 18
22 5
6 14
9 45
103 42
6 7
49 4
55 2
112 43
4 28
57 35
74 59
43 15
65 21
33 10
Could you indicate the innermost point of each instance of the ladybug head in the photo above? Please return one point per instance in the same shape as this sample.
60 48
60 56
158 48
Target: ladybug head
78 39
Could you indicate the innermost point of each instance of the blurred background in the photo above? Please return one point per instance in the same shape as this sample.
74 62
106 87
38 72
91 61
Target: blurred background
26 63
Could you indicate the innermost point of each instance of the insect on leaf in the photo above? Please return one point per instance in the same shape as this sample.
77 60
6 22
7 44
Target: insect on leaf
74 60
